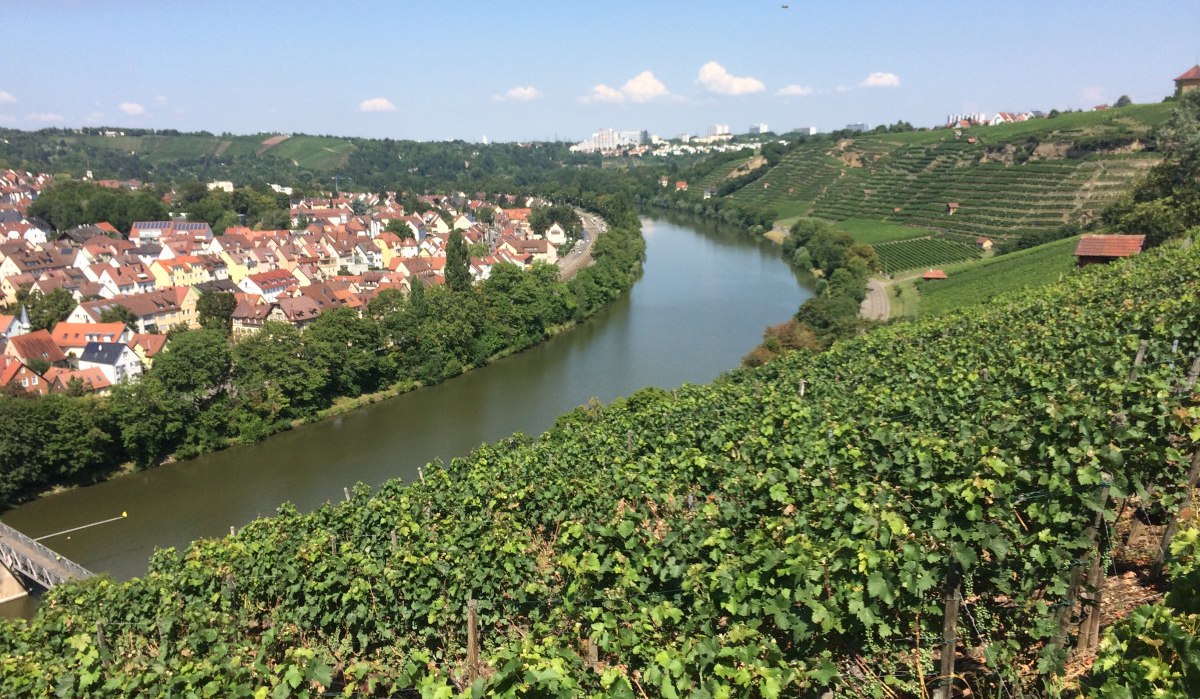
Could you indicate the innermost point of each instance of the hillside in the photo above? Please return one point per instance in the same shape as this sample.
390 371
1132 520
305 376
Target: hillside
166 157
785 530
1042 173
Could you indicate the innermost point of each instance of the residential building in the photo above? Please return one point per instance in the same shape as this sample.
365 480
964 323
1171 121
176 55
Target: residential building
116 360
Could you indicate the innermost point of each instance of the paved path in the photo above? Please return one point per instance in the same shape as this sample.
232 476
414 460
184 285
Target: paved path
876 306
581 255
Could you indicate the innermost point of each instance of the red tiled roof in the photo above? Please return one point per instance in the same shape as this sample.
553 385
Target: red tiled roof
1192 74
152 344
1109 245
934 274
77 335
36 345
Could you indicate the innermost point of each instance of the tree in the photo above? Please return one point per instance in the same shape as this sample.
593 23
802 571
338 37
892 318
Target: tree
1166 202
151 419
400 227
1123 101
350 347
46 310
120 314
277 377
458 263
195 364
215 310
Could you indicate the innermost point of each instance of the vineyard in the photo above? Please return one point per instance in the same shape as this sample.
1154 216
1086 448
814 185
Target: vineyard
1024 269
1039 174
815 524
923 252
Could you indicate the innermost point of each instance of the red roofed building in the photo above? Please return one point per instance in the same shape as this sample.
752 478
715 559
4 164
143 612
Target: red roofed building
71 338
14 373
33 346
268 284
1095 249
90 380
934 274
1188 82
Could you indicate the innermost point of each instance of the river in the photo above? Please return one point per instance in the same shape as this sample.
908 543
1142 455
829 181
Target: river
702 303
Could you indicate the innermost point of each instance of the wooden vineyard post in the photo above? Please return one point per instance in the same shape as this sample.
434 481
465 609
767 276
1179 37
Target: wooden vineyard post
1077 571
593 653
953 599
1192 478
101 644
1089 625
1173 526
472 641
1135 527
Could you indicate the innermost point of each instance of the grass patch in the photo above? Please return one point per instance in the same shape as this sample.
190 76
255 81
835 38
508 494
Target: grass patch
904 298
312 152
874 232
982 281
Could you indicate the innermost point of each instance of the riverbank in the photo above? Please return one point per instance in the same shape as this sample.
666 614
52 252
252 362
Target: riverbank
679 324
205 394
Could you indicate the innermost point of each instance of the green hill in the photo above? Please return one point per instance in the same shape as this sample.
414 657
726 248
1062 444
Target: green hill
782 532
1038 174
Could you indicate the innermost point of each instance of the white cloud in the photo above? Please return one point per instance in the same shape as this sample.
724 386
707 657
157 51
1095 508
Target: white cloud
45 116
881 80
132 108
794 91
603 93
714 78
842 88
7 98
643 87
520 94
376 104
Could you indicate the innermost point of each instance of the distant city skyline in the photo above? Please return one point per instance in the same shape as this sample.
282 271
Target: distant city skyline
564 71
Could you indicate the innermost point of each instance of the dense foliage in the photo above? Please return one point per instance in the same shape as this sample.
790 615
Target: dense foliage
1167 201
204 392
71 204
1155 651
309 162
758 537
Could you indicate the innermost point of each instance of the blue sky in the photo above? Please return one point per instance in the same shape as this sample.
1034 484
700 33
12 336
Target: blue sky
541 70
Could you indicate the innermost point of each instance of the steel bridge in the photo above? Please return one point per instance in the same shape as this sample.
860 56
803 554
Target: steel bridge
27 558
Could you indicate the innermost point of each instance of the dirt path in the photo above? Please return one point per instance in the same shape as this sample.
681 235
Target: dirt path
876 306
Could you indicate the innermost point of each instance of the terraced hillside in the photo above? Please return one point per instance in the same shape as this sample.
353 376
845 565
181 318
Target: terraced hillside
988 181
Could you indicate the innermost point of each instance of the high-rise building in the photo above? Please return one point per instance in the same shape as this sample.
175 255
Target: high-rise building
757 129
719 130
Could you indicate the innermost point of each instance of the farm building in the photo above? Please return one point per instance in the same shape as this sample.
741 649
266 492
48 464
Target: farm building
1098 249
934 274
1188 82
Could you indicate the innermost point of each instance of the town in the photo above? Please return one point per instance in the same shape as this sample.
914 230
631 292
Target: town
123 292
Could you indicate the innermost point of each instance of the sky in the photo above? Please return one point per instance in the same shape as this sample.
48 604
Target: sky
515 71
